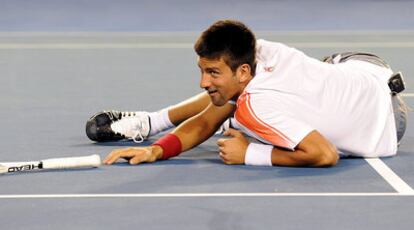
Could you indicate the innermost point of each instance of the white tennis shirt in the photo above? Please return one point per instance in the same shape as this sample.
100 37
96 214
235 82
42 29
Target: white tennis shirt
293 94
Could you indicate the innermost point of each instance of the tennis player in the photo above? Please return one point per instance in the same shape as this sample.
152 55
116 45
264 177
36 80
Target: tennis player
300 111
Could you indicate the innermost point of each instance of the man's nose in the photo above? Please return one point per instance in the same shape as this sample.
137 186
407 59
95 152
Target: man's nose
205 81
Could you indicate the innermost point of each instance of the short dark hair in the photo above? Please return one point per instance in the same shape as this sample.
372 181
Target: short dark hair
229 39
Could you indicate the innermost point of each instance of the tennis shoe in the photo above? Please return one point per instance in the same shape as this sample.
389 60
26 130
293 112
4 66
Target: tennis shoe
118 125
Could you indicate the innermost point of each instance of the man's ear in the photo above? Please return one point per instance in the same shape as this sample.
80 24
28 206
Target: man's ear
244 72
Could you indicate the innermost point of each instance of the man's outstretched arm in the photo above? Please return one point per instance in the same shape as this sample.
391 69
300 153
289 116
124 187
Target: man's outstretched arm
190 133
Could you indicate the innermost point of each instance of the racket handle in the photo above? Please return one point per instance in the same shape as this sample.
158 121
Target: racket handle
72 162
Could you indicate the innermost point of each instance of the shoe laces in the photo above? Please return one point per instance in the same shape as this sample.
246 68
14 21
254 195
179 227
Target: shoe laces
129 125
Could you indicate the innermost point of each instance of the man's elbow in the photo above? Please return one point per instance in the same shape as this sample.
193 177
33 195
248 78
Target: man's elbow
329 159
325 157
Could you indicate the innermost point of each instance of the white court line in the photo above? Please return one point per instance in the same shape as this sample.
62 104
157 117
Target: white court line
200 195
163 45
393 179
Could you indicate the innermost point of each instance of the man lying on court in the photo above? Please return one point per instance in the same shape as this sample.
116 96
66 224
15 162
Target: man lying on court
301 111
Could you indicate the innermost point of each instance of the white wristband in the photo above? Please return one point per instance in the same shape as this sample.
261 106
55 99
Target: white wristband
258 154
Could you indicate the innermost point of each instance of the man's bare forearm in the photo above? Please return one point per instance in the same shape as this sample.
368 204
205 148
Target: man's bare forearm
199 128
313 151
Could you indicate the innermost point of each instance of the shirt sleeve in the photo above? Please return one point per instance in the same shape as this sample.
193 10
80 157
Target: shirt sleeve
270 122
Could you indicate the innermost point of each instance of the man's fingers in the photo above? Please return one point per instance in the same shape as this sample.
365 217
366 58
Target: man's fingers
113 156
220 142
119 153
223 156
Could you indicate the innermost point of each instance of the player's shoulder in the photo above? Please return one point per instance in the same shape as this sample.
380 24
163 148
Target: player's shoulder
268 50
265 45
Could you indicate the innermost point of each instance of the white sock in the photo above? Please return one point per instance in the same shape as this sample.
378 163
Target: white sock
159 121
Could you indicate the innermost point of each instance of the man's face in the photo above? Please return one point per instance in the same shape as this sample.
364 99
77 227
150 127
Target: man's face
218 80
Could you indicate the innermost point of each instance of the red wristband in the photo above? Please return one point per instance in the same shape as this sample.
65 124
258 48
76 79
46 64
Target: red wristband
170 144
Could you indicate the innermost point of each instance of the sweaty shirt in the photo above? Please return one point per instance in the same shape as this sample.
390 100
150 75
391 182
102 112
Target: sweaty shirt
293 94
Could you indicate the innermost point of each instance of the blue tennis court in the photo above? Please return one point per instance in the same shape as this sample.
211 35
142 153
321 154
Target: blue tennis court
62 61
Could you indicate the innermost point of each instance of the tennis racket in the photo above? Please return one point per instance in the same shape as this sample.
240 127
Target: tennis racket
54 163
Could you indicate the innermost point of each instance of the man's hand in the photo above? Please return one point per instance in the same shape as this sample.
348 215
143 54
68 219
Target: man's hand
233 150
135 155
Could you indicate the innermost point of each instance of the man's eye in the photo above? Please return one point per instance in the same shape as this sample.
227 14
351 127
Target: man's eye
212 72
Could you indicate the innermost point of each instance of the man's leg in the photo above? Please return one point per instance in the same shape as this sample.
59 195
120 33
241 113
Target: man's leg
400 115
117 125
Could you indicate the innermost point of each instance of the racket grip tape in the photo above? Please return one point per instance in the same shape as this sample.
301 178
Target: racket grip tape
72 162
